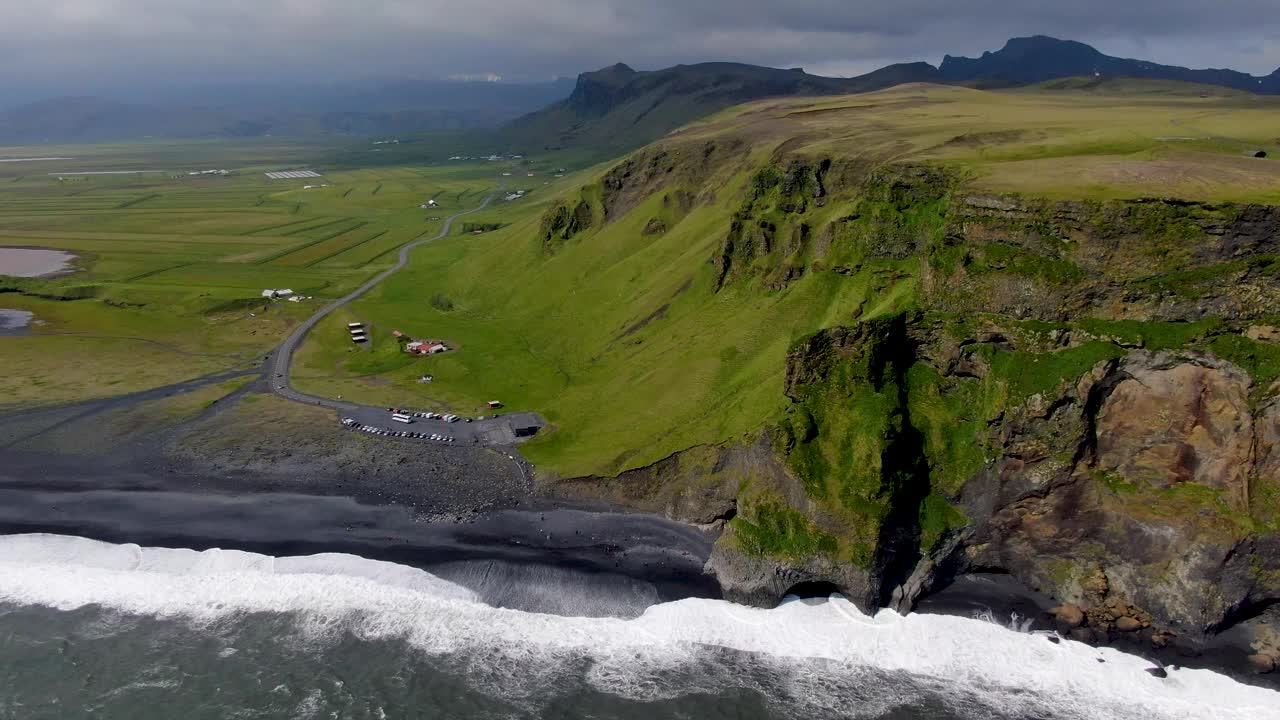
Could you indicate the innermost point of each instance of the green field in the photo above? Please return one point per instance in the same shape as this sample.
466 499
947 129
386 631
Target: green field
171 266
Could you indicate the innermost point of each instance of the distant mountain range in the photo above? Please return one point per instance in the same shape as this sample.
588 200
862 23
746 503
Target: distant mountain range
1029 60
603 113
619 108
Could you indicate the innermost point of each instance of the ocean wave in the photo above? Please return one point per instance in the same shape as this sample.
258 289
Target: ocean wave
808 643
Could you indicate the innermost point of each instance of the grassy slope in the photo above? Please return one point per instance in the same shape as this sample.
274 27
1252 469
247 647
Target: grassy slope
551 335
550 332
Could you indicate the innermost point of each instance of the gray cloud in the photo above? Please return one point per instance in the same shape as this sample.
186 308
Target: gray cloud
80 45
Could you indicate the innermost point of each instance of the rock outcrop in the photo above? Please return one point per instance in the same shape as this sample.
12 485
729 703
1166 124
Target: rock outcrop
1133 504
1175 420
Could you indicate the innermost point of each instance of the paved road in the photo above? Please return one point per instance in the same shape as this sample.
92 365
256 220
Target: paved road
495 431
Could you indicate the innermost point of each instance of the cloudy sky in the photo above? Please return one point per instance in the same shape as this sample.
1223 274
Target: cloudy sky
60 46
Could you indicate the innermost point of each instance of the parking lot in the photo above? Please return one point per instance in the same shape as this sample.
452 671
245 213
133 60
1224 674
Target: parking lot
425 426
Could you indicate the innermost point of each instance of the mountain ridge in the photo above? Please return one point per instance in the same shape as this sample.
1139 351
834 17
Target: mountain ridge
608 111
1037 58
618 108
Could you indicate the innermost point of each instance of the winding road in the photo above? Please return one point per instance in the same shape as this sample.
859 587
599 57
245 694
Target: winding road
493 431
282 358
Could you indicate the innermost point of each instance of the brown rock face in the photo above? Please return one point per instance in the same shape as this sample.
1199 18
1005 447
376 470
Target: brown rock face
1070 615
1128 624
1163 560
1262 663
1171 423
1268 445
1263 333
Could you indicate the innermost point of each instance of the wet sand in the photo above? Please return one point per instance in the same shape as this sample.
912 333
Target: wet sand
33 262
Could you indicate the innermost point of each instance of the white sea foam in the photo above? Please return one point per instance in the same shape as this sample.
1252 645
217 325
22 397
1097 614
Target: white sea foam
375 599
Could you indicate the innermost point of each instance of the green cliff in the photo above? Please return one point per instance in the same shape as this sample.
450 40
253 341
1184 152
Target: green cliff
877 366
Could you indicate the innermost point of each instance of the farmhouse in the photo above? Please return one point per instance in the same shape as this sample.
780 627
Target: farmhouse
273 294
425 347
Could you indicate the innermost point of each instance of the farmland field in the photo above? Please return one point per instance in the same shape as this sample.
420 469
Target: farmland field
170 266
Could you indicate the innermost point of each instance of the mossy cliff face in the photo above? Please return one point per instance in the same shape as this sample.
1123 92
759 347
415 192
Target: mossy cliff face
1084 395
678 172
1154 260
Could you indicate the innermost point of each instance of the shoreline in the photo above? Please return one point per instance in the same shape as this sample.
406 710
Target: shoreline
459 513
623 562
612 553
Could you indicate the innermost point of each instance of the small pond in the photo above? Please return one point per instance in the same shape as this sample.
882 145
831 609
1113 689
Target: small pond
14 322
33 262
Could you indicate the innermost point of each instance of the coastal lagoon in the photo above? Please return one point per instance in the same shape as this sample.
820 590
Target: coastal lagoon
33 262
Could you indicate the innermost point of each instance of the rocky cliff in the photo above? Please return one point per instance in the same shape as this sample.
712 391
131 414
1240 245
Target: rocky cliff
1083 395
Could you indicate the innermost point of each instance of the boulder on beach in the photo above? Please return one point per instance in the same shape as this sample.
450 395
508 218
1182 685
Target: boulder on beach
1263 663
1128 624
1070 615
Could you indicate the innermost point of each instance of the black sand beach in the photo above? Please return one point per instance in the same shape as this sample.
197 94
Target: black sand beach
468 515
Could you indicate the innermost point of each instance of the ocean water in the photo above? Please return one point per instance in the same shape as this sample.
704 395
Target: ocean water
97 630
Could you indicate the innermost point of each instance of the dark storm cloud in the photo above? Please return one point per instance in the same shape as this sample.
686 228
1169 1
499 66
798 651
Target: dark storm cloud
81 43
